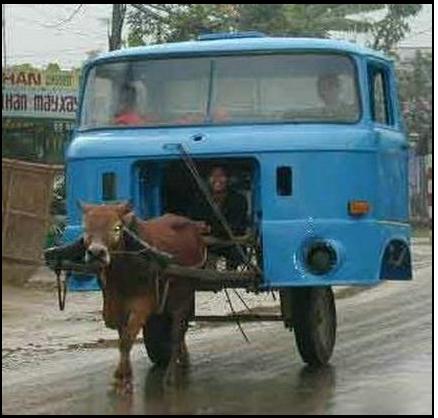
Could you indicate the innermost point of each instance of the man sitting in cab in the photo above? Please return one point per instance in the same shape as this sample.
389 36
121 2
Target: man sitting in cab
129 113
233 207
329 88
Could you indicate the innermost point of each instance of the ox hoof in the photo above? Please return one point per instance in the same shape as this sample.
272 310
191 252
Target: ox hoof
123 387
184 360
176 375
172 377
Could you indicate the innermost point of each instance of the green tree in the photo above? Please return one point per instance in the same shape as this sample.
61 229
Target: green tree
312 20
53 67
155 23
415 84
394 25
23 67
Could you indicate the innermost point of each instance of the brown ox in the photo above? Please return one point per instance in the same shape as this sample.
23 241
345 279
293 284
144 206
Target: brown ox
129 288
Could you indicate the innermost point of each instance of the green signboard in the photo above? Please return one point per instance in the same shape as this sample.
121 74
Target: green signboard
39 94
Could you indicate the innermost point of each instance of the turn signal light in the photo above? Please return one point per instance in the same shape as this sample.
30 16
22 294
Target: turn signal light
358 207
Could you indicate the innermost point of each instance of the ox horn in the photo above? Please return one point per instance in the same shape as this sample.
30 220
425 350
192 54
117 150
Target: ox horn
126 205
82 206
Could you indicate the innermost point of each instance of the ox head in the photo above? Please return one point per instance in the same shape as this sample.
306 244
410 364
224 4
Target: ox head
103 229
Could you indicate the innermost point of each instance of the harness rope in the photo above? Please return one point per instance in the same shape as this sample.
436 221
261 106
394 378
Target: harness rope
162 257
147 247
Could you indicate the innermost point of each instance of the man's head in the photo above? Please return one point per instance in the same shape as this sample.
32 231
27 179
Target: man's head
218 179
329 89
127 98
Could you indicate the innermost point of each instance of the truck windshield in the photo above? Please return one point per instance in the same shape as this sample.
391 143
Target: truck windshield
220 90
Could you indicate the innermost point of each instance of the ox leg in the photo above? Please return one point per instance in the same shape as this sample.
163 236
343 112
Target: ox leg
127 335
179 356
185 358
123 373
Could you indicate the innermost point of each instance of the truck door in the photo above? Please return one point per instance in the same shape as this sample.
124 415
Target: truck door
392 157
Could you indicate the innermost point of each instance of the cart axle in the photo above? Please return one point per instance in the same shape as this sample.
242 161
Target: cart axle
234 318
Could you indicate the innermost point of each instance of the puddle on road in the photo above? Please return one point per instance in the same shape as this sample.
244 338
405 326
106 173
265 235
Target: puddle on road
291 390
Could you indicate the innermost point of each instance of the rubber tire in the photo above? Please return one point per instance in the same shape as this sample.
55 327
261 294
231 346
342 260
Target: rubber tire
314 323
157 339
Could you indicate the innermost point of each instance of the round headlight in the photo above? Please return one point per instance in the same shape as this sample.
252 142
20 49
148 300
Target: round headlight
320 258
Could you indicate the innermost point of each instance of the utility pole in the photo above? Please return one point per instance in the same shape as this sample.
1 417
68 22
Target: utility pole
118 17
4 35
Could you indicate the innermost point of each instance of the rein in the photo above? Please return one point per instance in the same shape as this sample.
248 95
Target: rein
146 247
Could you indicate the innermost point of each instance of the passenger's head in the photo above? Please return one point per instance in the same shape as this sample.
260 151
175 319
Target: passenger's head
329 89
218 179
127 98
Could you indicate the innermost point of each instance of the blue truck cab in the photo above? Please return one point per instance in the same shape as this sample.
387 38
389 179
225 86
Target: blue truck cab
311 128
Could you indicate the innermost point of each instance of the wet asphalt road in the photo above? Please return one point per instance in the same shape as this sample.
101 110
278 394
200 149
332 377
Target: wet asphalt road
382 364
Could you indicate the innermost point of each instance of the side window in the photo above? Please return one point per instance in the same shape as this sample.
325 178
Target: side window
109 186
380 107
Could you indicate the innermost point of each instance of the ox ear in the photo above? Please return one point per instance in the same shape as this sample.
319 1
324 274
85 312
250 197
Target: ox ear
124 208
128 219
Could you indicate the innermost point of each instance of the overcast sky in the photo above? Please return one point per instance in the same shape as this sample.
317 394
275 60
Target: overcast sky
39 33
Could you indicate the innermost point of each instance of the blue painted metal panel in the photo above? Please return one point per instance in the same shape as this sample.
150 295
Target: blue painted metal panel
221 46
359 245
123 144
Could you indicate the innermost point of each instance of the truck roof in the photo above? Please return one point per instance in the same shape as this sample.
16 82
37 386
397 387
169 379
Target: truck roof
230 45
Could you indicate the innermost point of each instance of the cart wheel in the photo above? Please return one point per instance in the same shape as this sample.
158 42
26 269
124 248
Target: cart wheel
313 315
157 339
